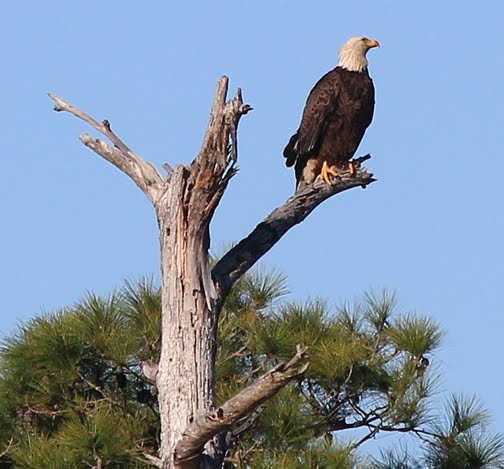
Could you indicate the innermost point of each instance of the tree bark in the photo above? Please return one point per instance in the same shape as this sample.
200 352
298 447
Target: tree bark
186 377
186 369
192 295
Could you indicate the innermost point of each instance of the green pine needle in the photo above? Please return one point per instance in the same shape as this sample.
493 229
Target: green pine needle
416 335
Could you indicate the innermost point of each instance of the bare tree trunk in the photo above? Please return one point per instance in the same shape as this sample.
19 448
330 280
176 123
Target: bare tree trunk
192 295
186 369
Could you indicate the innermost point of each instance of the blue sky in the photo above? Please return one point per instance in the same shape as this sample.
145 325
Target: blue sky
431 228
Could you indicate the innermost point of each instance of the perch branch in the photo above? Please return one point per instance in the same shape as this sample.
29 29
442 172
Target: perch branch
267 233
144 174
242 404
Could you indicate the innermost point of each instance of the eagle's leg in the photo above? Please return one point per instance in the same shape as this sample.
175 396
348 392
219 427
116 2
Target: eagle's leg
325 171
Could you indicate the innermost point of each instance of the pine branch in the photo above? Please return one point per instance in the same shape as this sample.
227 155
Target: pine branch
242 404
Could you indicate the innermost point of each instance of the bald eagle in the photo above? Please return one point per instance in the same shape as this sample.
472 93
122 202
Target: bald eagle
338 110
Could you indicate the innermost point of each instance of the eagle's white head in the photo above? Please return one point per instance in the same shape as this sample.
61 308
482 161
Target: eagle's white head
352 55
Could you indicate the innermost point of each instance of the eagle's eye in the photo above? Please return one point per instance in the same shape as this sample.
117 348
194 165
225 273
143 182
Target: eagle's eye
365 39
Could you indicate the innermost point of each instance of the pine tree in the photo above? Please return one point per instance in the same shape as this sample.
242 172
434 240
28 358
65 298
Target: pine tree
77 387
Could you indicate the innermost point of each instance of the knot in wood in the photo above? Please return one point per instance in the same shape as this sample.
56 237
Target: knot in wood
245 108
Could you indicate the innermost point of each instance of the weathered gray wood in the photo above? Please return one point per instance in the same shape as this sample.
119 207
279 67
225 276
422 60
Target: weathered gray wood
186 377
144 174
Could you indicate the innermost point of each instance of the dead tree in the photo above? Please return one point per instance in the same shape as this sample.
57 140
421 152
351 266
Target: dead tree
192 425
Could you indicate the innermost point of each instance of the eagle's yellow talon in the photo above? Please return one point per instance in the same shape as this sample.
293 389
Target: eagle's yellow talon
326 169
351 168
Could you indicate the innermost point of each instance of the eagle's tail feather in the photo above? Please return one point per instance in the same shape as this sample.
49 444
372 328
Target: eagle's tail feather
290 150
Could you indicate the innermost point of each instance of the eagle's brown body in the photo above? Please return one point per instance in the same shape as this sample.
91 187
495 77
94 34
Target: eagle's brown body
337 112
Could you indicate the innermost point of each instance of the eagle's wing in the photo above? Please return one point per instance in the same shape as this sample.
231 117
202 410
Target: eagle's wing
321 105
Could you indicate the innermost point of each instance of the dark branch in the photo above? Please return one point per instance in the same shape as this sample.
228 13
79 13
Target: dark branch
265 235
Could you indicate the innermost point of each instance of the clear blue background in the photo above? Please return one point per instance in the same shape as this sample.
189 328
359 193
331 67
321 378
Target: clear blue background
431 228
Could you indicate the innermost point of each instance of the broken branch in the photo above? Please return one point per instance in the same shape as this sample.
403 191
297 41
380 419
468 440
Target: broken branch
144 174
242 404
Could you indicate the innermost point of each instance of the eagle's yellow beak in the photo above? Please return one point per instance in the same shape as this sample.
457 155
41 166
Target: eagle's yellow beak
372 43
